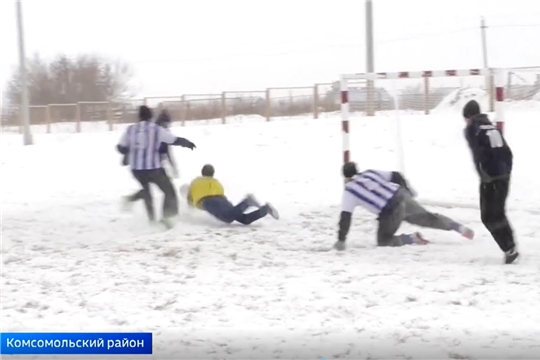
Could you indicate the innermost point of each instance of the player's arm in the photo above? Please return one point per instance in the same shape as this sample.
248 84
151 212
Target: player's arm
164 149
480 146
171 159
167 137
123 145
347 209
399 178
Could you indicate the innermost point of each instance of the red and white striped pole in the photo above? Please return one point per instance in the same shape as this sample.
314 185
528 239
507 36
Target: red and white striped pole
344 86
499 99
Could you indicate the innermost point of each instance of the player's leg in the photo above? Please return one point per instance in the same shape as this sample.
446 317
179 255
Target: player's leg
127 201
220 208
493 213
262 211
389 222
416 214
142 177
170 202
135 196
247 202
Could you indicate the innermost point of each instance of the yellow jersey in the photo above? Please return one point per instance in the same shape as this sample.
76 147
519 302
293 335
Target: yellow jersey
203 187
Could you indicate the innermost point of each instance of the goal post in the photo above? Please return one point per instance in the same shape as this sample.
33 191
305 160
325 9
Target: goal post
403 109
497 93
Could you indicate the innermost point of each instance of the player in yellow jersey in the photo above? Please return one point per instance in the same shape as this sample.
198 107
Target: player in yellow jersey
206 193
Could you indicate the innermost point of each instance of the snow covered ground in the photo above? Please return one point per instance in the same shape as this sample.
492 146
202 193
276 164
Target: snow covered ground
73 262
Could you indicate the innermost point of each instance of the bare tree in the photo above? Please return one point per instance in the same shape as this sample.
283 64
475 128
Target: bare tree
65 80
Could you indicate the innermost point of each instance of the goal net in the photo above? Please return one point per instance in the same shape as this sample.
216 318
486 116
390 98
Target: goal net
412 122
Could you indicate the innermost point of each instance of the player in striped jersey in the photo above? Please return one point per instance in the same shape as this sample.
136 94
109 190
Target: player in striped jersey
388 195
164 120
142 143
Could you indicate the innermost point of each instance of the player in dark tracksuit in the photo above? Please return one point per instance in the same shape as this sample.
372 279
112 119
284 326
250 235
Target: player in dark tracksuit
493 160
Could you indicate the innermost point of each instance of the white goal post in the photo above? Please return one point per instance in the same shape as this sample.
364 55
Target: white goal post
494 82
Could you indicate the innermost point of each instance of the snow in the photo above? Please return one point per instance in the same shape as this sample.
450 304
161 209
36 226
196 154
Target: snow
72 261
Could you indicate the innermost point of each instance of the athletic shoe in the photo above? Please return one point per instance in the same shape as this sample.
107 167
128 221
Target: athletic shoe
418 239
126 204
272 211
510 256
466 232
252 201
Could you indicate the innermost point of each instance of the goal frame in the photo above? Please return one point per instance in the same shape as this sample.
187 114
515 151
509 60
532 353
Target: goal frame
497 74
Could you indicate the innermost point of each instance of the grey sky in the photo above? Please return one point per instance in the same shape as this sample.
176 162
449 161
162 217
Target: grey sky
194 46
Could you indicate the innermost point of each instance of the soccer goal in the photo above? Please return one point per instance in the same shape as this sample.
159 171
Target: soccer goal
426 106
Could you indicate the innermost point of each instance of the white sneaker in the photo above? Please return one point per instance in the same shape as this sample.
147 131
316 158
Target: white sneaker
466 232
252 201
272 211
126 205
418 239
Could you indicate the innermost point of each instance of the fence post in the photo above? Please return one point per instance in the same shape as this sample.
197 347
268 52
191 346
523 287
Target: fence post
426 96
492 94
78 108
223 108
184 109
48 118
370 87
188 110
110 115
316 101
268 105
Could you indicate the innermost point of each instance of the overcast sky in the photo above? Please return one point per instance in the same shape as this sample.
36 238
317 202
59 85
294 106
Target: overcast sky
202 46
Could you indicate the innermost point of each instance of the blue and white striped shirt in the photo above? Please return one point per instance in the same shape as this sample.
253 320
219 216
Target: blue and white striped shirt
370 189
143 140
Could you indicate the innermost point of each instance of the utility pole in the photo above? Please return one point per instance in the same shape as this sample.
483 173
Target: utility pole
483 28
489 77
24 110
370 57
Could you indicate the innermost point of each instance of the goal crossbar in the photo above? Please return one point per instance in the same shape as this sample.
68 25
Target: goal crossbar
419 74
497 74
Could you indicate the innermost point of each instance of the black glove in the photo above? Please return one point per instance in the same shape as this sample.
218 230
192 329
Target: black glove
125 160
190 145
183 143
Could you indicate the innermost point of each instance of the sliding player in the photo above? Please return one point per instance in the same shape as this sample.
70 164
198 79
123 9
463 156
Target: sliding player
206 193
387 195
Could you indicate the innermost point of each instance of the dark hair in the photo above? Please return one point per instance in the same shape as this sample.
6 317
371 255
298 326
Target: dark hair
470 109
164 118
207 170
349 169
145 113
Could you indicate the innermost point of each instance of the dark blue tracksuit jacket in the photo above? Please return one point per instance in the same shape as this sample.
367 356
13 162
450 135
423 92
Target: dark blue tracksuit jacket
491 154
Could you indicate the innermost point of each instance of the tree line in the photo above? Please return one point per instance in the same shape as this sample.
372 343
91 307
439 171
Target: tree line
67 80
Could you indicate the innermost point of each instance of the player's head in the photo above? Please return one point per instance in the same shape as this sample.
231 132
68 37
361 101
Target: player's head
207 170
349 170
471 109
164 119
145 113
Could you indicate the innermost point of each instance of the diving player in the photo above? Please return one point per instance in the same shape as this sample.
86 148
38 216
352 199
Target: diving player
206 193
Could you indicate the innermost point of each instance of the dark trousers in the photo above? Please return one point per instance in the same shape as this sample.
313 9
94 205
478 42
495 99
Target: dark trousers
493 197
158 177
224 210
401 208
